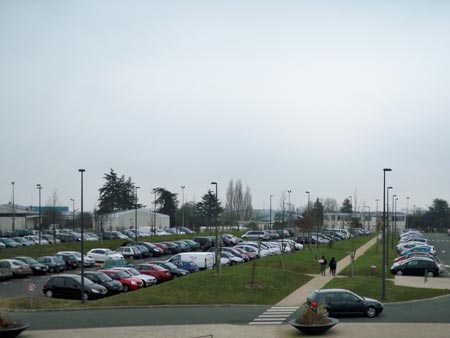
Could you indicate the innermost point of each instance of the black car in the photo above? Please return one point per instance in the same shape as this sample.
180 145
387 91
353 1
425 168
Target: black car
174 248
304 239
54 263
174 270
69 286
70 260
36 267
416 266
205 243
341 301
113 286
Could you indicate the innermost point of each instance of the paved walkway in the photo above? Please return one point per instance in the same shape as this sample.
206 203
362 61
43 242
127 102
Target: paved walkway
298 297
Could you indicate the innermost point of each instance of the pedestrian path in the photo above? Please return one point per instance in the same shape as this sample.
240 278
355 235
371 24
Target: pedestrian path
276 315
298 297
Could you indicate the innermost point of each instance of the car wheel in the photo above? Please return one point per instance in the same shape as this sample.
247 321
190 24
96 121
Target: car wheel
399 273
126 288
51 269
49 293
174 276
430 274
85 296
370 312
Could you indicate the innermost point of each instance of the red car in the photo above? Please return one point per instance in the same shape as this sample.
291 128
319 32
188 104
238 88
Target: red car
129 283
154 270
163 247
245 253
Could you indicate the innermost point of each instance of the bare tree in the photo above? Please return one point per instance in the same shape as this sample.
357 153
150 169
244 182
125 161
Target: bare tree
330 205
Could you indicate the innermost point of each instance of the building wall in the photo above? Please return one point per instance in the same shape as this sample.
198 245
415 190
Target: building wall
341 220
126 220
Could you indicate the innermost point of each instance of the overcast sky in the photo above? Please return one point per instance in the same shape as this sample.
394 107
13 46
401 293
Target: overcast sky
284 95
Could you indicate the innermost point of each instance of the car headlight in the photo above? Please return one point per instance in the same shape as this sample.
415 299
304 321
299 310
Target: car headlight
134 283
95 291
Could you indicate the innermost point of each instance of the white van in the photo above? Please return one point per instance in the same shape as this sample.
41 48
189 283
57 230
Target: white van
204 260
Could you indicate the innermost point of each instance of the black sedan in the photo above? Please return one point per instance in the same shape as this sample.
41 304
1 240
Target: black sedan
113 286
341 301
36 267
416 266
174 270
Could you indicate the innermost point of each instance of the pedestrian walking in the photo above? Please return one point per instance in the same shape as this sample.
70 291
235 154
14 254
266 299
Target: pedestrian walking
333 266
323 265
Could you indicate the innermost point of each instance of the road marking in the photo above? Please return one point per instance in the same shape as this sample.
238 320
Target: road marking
274 316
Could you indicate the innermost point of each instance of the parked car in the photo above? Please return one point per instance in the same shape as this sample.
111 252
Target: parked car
112 286
129 283
87 261
54 263
164 248
9 243
414 254
103 254
204 260
148 280
174 270
186 265
174 248
36 240
232 258
70 260
416 266
69 286
36 267
51 239
187 230
23 241
237 253
114 235
5 270
205 243
19 268
341 301
256 236
129 252
161 274
420 248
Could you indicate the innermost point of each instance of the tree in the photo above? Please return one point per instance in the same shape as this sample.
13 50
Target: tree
117 194
347 206
438 214
330 205
168 203
317 212
238 205
209 207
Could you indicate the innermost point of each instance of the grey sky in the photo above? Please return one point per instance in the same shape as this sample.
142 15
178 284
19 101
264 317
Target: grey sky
299 95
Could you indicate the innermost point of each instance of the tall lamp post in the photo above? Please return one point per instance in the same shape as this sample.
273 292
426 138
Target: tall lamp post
270 212
369 218
82 237
387 223
182 205
217 246
393 221
40 214
309 228
154 213
407 209
135 214
384 261
14 209
289 207
73 214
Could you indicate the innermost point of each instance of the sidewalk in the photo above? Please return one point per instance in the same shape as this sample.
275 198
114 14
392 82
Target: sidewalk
299 296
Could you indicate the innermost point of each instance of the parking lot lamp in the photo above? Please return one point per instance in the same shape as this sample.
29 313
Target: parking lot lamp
135 214
40 214
82 237
217 246
384 260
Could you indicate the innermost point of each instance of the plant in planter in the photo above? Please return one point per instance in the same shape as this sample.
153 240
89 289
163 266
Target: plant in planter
313 321
10 328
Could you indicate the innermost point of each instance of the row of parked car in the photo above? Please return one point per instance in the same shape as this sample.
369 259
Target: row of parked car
416 257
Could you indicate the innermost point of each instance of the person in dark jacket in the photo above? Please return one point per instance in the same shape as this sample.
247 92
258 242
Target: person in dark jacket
333 266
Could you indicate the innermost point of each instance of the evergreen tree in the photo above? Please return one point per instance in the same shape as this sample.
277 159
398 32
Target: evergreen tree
347 206
168 203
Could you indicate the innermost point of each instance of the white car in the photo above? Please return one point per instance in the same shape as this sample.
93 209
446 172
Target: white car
233 259
146 279
35 239
87 261
103 254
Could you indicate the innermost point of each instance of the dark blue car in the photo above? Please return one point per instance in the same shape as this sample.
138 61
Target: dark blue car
186 265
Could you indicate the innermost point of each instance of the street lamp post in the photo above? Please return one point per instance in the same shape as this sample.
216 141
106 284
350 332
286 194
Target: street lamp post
393 221
135 214
40 214
154 213
369 218
407 209
270 213
308 223
289 208
384 261
217 246
82 237
182 205
13 227
387 224
73 214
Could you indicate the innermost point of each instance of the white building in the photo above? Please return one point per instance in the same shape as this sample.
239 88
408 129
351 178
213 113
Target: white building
22 217
126 220
370 220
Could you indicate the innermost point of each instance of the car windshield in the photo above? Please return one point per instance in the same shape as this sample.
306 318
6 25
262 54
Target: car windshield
168 265
133 272
108 252
29 260
124 274
103 277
